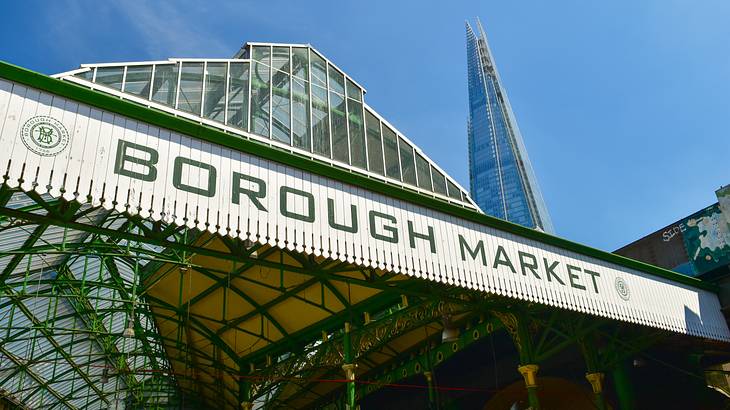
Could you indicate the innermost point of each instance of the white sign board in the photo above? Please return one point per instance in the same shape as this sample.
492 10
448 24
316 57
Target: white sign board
51 144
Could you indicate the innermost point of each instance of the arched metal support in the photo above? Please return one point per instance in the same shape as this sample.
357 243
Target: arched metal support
517 327
589 348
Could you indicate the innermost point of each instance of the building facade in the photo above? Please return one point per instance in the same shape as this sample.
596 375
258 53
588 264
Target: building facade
696 245
501 178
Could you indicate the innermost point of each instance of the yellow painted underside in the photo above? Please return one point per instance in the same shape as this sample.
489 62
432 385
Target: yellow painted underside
248 311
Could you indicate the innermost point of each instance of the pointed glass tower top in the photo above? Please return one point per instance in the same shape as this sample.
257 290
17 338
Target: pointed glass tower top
501 178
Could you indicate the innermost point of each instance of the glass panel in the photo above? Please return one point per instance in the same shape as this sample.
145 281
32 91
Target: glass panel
238 96
337 81
320 120
424 175
281 107
406 162
86 75
357 134
215 92
165 85
375 146
300 113
191 87
300 63
262 53
353 91
319 70
260 99
110 77
138 79
340 151
439 182
280 59
390 144
454 191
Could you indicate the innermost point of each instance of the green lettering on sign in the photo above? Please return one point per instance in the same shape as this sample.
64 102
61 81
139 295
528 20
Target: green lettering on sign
284 204
254 196
573 277
177 174
550 271
412 236
123 157
525 266
393 238
501 258
594 275
478 250
331 217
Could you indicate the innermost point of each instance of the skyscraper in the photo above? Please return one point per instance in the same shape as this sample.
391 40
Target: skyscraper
501 178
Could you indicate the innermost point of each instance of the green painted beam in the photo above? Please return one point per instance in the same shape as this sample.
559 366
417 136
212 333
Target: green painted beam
15 261
397 322
418 360
21 366
222 282
52 341
199 327
257 307
429 358
5 194
82 302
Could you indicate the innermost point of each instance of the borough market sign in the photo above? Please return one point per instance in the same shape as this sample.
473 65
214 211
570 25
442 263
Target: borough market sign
52 144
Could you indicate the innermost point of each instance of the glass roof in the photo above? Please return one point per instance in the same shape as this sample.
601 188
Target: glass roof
288 96
63 313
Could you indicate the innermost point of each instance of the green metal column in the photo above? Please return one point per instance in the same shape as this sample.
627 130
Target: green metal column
349 368
244 392
594 374
529 373
432 401
624 387
528 369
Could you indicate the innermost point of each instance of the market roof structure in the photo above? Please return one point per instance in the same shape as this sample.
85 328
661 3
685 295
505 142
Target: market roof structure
214 233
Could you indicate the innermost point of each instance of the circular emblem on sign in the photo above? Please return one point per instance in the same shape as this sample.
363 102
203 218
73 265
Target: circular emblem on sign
622 288
44 136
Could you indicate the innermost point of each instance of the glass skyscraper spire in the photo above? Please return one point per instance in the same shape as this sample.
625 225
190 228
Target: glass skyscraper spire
501 178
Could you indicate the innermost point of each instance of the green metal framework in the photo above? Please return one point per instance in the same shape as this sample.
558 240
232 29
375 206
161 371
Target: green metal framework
100 309
91 269
73 276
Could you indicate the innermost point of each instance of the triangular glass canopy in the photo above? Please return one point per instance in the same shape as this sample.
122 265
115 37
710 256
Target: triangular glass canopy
285 95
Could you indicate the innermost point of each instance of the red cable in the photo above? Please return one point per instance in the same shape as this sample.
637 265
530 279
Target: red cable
316 380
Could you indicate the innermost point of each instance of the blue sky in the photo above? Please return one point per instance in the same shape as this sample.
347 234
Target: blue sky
624 105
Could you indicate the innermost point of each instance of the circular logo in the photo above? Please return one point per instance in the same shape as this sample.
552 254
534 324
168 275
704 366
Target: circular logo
44 136
622 288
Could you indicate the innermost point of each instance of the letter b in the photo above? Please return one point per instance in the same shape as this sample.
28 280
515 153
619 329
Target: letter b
123 157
